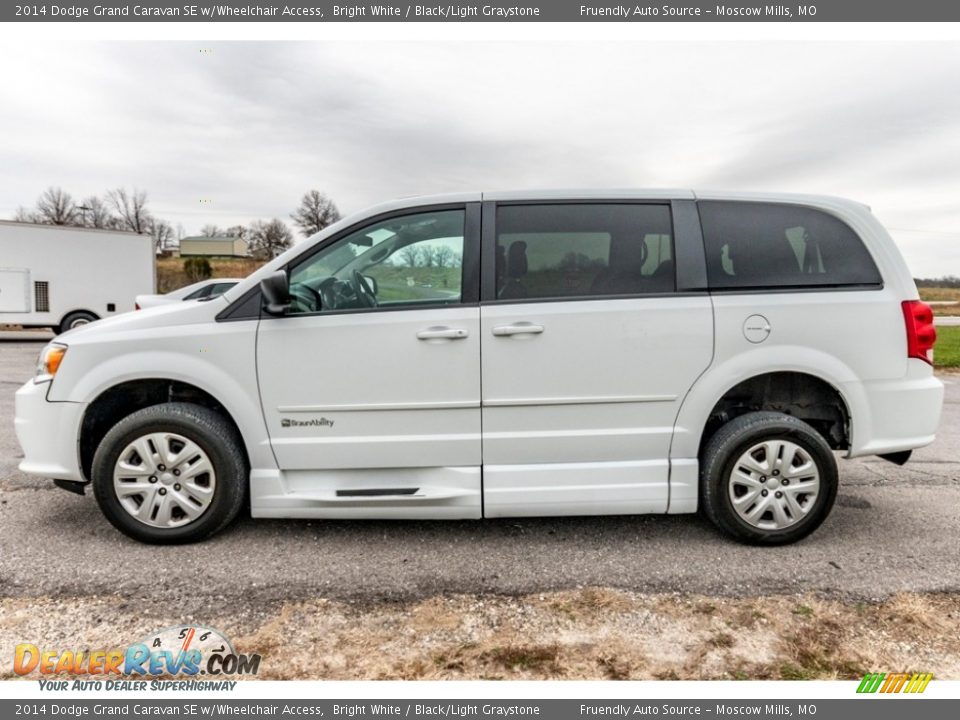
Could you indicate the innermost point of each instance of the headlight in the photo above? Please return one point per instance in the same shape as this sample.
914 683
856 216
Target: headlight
48 364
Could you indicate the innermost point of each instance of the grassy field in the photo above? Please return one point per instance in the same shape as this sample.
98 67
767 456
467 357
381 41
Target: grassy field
405 283
947 351
586 634
170 274
939 294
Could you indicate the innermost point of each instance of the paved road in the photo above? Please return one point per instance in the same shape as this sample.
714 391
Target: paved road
893 529
946 320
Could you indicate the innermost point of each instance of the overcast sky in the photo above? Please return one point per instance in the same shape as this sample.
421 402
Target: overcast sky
249 127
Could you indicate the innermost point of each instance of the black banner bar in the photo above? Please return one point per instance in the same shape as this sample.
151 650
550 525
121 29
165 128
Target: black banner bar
496 11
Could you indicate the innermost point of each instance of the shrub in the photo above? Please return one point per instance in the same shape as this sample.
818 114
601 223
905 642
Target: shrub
197 268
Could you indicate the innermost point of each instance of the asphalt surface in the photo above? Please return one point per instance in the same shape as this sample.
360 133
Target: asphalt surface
893 529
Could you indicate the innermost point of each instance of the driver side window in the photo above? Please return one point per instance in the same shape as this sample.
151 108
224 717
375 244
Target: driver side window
408 260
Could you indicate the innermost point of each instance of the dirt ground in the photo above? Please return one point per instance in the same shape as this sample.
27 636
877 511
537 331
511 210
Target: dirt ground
591 633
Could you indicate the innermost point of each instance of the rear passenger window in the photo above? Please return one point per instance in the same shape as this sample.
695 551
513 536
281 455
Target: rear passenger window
574 250
766 245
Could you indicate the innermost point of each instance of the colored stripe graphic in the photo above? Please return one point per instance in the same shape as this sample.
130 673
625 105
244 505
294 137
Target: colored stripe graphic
870 682
894 683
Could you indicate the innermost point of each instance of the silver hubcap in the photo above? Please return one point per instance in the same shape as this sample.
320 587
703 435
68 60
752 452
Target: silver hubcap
164 480
774 484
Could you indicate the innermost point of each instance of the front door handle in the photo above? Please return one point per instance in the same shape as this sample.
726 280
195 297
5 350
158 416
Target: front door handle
442 332
520 328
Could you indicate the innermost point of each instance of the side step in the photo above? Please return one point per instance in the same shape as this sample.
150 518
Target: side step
377 492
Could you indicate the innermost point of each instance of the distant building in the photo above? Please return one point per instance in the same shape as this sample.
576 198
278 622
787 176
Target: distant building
213 247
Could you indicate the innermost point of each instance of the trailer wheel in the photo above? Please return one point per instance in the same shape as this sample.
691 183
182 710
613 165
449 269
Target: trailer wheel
76 319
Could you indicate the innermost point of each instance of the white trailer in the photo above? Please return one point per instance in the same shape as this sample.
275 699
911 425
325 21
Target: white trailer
62 277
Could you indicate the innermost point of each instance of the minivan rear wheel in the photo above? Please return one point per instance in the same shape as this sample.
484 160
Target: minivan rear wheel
171 473
767 478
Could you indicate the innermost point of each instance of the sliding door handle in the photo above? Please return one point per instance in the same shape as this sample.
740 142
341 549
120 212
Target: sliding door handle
520 328
442 332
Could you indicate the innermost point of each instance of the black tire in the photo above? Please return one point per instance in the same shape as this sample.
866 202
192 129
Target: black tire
725 448
212 433
76 319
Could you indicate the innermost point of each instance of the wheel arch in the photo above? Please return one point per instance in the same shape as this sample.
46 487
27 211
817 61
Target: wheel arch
120 400
829 376
799 394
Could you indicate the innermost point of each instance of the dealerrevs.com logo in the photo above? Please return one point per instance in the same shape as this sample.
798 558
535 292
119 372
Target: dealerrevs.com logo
182 650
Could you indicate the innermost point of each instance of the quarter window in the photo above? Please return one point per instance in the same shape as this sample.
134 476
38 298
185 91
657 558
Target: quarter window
768 245
582 250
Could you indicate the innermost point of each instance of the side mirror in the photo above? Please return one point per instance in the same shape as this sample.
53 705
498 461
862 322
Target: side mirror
372 282
275 289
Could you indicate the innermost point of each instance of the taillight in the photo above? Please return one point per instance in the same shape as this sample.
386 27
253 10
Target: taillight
136 306
921 333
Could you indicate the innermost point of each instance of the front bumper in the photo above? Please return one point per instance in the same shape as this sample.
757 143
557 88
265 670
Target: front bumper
49 433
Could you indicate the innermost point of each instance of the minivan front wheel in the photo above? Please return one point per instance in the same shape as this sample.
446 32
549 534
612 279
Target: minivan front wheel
171 473
768 478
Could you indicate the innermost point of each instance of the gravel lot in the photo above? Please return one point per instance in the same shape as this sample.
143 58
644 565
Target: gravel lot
893 530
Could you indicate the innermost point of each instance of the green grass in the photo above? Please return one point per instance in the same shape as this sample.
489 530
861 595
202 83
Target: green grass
946 352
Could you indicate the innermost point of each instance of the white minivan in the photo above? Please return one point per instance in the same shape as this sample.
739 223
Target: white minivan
494 355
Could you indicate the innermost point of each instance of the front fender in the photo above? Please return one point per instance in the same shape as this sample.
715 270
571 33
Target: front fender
220 361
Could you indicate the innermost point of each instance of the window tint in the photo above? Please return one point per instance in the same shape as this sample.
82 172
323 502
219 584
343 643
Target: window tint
761 245
574 250
409 260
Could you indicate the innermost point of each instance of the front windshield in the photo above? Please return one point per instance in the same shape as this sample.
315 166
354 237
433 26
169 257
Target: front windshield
412 259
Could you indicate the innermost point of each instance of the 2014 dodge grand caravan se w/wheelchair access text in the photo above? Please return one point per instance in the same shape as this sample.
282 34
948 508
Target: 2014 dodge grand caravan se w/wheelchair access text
496 355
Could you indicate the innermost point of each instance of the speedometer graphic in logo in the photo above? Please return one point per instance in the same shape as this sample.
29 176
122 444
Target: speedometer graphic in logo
189 650
187 638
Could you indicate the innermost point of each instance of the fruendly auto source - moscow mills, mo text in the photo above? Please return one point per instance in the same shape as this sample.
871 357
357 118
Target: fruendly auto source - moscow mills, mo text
388 11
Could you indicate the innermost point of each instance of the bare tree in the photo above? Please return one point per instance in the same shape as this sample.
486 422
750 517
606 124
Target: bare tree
162 233
237 231
131 209
269 239
316 211
24 215
56 207
95 213
443 256
210 230
410 255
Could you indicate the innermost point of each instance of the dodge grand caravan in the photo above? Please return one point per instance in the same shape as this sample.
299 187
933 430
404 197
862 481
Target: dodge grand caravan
500 354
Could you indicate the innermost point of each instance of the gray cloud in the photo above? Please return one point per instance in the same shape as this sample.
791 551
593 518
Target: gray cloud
251 126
